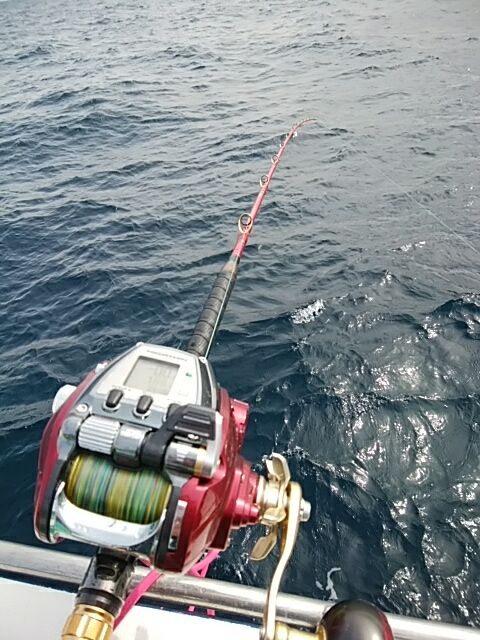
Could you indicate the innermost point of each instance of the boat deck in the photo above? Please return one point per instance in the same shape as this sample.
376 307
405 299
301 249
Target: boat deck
28 611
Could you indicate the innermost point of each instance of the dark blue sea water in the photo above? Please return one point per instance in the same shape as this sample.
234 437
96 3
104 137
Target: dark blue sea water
133 133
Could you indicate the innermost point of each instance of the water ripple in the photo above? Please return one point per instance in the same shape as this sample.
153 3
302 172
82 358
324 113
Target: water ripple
132 136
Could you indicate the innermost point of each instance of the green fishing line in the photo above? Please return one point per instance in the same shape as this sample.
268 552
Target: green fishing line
96 484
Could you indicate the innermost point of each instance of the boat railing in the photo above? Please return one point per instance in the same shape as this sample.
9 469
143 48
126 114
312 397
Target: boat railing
30 563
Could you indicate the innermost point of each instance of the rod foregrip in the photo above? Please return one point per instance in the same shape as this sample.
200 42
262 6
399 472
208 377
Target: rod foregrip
207 324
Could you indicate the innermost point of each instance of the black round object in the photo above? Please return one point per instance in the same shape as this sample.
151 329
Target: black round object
356 620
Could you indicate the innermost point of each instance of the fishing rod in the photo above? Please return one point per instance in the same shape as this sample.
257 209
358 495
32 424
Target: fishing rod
207 324
142 461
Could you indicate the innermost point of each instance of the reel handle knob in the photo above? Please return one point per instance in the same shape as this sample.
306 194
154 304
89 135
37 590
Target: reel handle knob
347 620
356 620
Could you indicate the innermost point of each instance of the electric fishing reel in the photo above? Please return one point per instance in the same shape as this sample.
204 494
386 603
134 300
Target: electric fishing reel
143 456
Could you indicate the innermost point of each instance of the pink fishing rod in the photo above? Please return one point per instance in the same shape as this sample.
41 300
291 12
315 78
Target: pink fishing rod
214 307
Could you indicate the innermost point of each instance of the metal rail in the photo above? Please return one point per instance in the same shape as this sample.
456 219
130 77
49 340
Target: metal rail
53 566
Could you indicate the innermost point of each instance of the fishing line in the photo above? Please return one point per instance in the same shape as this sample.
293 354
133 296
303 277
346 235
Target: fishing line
96 484
404 191
421 205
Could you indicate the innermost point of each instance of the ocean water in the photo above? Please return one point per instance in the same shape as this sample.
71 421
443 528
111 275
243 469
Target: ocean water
133 134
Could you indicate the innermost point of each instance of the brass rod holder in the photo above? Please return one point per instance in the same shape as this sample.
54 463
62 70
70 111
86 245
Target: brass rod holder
285 632
88 623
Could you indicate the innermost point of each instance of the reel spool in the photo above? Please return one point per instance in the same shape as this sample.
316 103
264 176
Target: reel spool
95 483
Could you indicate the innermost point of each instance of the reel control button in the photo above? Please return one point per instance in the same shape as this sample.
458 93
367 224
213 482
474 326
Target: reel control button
143 405
113 398
70 427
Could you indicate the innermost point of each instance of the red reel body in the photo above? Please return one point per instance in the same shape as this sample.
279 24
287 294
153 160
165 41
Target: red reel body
225 502
96 446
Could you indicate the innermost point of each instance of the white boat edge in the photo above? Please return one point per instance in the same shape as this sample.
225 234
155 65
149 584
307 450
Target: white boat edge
29 608
30 611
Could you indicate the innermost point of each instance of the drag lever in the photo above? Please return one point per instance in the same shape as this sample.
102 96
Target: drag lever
273 500
283 505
